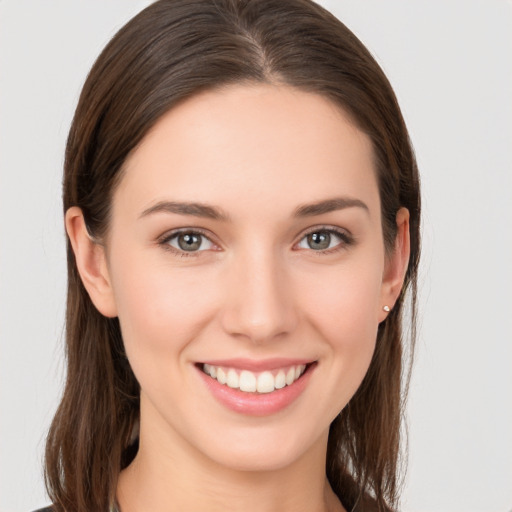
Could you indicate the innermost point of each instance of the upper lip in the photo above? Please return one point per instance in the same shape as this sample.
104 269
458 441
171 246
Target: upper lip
258 365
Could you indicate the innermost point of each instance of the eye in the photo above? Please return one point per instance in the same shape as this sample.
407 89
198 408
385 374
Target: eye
323 240
189 241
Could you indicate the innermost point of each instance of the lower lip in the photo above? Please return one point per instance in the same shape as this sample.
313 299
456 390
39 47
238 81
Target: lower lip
257 404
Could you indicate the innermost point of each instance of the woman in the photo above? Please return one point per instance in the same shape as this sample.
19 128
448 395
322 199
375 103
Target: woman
242 208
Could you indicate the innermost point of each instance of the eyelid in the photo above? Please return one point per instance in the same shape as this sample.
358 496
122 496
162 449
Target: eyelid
325 227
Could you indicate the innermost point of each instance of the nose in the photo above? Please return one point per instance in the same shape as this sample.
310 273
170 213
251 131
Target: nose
259 304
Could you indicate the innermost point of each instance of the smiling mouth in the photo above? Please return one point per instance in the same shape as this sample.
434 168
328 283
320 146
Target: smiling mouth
255 382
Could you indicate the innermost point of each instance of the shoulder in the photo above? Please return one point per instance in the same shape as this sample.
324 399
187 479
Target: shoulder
45 509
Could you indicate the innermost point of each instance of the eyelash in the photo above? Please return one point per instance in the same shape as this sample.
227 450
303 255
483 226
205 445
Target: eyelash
346 240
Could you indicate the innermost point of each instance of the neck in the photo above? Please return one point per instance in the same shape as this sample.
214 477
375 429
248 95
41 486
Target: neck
170 475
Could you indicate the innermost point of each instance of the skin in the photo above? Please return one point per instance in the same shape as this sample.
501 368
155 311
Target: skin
257 290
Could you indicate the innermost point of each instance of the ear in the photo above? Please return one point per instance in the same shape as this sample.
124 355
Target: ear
91 262
396 264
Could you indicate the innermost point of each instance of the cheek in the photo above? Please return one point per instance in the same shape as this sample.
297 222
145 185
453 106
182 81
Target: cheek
347 298
343 308
158 309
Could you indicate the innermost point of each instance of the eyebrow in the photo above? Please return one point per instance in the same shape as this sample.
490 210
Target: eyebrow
215 213
329 205
186 208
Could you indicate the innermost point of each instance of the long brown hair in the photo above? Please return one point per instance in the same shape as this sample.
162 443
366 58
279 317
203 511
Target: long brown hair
169 52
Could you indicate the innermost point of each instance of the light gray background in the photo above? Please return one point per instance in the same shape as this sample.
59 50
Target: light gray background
450 62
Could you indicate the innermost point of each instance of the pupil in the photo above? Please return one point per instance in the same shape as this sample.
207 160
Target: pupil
189 242
320 240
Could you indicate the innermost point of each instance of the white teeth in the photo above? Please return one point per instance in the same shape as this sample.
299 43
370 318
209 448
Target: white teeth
280 380
210 370
290 376
221 376
265 382
249 382
233 380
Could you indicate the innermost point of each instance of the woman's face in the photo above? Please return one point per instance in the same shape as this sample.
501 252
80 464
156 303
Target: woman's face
246 236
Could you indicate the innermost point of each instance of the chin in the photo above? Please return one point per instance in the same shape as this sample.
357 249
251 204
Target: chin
262 451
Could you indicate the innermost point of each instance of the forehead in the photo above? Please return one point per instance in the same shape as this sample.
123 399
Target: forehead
270 145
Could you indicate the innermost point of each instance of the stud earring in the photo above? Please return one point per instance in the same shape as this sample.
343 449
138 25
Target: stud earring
387 309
